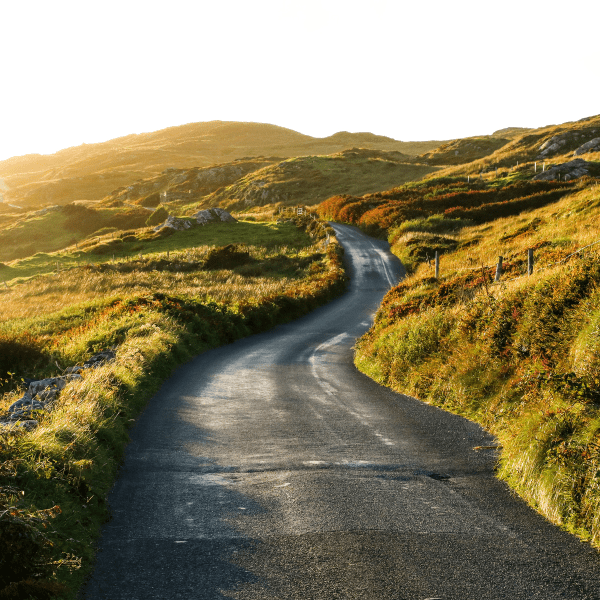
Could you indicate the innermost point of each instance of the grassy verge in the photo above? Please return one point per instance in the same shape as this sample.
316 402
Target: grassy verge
54 480
521 357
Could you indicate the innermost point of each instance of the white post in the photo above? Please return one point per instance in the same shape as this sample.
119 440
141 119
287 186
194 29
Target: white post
535 167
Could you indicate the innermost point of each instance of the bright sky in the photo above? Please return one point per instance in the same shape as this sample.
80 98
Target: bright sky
80 71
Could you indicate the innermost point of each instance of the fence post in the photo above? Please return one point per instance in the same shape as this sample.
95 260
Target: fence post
437 264
498 269
530 261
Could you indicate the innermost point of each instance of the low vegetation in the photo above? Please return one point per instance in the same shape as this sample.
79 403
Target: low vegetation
521 355
94 171
308 180
189 292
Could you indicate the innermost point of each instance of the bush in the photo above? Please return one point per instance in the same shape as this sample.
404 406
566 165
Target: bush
20 354
151 201
226 257
158 216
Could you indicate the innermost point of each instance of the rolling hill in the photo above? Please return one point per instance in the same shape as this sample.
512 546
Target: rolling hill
93 171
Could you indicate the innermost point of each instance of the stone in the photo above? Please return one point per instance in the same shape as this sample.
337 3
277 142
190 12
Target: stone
42 393
570 170
23 401
214 215
100 358
591 146
175 223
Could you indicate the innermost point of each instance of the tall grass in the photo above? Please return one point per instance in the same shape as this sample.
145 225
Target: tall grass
54 479
522 356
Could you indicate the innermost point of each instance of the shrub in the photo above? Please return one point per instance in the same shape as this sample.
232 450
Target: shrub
226 257
158 216
151 201
20 354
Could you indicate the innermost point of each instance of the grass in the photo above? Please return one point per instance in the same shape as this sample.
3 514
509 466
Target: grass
308 180
54 479
520 356
94 171
130 244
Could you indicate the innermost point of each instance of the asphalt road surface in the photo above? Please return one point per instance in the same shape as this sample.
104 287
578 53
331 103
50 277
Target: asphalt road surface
272 468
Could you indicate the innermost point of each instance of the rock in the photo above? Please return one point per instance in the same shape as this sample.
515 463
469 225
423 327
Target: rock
591 146
48 395
565 141
175 223
50 384
569 170
42 393
25 400
214 215
100 359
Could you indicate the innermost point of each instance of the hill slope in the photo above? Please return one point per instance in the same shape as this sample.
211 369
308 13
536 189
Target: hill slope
91 171
516 349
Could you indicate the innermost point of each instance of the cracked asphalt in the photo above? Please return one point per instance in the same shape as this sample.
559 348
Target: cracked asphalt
272 469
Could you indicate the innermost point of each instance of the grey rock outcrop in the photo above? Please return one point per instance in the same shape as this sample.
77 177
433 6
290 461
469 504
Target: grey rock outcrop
175 223
204 217
564 142
591 146
42 393
214 215
570 170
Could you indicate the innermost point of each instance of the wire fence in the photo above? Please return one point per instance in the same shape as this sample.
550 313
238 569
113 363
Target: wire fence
498 265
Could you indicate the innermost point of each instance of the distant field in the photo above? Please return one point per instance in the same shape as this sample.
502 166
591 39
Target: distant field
49 281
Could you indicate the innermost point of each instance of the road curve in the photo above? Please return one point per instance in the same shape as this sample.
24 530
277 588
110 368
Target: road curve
271 468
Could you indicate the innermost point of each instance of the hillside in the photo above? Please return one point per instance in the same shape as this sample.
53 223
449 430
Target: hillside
309 180
525 152
93 171
247 183
515 347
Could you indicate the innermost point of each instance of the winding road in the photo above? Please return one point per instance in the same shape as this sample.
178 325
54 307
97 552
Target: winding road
271 468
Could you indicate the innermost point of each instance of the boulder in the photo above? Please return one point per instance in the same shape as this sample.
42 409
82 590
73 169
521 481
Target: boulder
175 223
569 170
214 215
591 146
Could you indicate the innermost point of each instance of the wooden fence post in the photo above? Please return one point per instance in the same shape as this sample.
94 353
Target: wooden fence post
437 264
530 261
498 269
